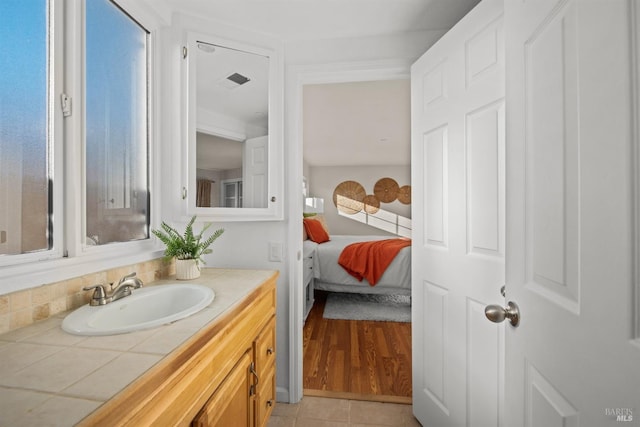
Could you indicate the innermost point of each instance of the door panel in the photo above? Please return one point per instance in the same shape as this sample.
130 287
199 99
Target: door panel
545 404
573 360
435 186
485 347
434 354
485 181
552 163
255 165
458 241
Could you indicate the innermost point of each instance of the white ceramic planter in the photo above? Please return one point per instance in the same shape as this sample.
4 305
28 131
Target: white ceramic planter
187 269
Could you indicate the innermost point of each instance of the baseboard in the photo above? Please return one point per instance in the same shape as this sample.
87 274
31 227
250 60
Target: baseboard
282 395
358 396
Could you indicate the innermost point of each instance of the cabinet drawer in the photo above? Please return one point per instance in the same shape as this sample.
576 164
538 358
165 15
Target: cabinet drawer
307 269
265 347
266 398
308 262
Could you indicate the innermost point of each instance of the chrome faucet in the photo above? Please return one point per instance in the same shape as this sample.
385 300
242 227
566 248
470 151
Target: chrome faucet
121 290
124 286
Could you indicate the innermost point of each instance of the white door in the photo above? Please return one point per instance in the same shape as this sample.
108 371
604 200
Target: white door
574 359
458 216
255 165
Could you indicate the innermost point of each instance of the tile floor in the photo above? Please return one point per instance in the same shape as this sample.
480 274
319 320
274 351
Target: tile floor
327 412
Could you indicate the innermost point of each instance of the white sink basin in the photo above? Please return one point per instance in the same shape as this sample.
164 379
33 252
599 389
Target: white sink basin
145 308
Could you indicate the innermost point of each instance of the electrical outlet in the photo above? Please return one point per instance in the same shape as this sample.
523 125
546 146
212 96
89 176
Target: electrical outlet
275 251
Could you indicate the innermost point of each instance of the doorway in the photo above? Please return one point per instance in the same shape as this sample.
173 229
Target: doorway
346 358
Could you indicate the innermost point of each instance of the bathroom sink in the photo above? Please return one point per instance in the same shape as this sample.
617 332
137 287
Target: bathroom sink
145 308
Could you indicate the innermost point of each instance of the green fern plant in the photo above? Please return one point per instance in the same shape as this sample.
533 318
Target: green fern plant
186 245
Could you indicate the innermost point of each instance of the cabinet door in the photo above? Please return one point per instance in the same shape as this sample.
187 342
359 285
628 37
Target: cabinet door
230 405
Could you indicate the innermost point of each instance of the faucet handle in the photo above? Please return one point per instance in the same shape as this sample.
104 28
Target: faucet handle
99 296
128 276
99 290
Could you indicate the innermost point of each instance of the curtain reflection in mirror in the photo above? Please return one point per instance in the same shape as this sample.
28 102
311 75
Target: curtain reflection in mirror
203 198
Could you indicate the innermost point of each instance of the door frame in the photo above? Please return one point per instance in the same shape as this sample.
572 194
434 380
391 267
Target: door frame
297 78
635 165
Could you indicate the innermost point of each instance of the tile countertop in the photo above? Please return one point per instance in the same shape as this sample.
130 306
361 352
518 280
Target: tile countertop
51 378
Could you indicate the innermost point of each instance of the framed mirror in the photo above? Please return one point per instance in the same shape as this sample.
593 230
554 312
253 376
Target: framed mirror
234 144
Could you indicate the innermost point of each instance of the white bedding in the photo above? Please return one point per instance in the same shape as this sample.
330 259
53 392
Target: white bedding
330 276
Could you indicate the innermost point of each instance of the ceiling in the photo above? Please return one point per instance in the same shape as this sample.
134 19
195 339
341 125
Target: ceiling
246 103
322 19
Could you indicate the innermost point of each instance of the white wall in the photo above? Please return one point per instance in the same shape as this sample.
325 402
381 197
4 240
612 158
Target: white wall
324 179
245 244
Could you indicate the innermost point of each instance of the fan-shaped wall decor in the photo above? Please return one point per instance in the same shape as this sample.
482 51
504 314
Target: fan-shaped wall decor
386 190
371 204
348 197
404 194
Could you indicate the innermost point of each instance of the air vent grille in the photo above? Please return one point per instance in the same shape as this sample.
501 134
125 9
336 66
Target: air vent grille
238 79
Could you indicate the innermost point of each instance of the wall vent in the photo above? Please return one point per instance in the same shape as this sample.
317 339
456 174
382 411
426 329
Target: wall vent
238 79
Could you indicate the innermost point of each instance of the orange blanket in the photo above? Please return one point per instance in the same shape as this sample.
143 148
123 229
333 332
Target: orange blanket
369 260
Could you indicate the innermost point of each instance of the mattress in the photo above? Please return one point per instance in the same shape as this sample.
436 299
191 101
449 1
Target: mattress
330 276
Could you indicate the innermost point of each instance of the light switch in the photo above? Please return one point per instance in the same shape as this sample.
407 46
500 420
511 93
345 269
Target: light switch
275 251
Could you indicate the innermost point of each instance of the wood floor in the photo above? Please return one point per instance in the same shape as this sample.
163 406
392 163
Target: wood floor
359 359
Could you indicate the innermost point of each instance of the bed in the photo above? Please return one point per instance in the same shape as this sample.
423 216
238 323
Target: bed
330 276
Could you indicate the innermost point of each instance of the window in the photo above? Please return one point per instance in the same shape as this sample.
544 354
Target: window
117 193
26 175
103 147
232 193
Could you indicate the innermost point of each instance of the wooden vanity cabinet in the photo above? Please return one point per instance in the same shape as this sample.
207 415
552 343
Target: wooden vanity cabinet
247 395
223 376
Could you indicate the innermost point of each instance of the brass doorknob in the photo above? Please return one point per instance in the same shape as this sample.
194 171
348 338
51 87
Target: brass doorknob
497 314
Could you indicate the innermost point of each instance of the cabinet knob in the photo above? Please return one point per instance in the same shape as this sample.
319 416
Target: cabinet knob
270 402
270 350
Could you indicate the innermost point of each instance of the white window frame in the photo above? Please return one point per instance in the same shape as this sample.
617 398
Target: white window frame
55 50
70 255
237 182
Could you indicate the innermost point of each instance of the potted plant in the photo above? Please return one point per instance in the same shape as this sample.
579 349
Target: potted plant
187 248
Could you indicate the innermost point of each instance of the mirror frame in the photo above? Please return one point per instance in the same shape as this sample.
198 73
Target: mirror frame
275 186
